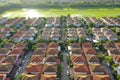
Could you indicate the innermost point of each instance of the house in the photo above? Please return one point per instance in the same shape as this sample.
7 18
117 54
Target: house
82 77
3 76
52 52
4 51
5 68
48 77
77 59
49 22
13 59
56 22
45 36
53 45
97 22
41 45
9 45
116 59
92 59
17 51
109 46
1 57
97 69
117 45
81 69
87 45
89 52
101 77
113 52
76 21
28 36
75 46
30 77
34 68
55 37
76 52
52 60
20 45
50 69
40 52
38 59
69 21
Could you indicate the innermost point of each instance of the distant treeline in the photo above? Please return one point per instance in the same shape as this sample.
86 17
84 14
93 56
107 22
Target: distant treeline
12 6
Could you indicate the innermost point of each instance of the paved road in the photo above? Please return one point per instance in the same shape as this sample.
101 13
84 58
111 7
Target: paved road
109 71
64 67
25 63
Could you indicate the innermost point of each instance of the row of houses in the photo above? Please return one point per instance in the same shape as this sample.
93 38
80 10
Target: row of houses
24 34
86 64
43 63
53 21
94 20
34 21
5 32
51 34
76 33
10 59
111 21
113 50
73 21
103 34
15 21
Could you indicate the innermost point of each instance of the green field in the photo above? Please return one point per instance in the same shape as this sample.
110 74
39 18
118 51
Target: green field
97 12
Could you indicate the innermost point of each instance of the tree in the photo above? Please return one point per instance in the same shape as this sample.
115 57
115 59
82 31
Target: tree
59 71
19 77
62 44
109 60
81 39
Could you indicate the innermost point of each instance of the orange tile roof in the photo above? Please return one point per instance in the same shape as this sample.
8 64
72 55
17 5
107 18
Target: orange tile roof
17 51
117 45
34 68
77 59
20 45
36 59
86 45
53 45
89 51
81 68
52 51
1 57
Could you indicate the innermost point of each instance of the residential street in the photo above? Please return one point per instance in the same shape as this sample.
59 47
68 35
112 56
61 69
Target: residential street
109 71
64 75
25 62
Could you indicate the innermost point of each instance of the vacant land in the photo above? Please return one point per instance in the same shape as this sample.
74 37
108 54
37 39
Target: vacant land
83 12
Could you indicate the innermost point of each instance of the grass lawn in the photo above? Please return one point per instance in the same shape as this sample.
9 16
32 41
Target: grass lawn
97 12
